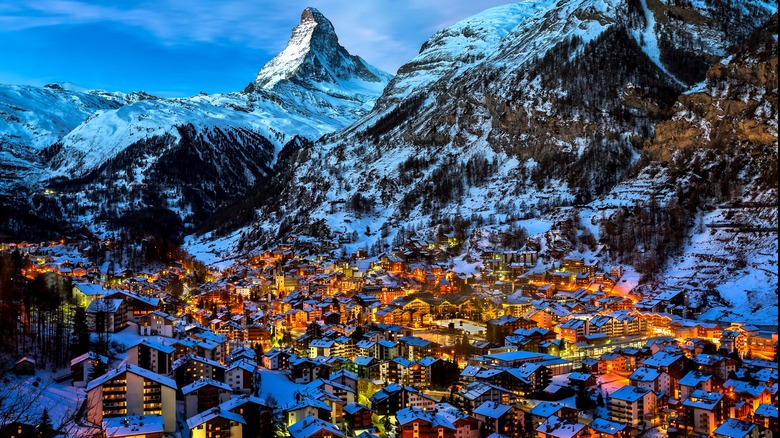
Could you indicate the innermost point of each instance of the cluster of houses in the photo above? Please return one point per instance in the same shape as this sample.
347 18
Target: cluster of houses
359 352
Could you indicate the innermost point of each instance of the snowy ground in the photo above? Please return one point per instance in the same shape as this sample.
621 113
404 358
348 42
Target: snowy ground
40 392
469 327
277 384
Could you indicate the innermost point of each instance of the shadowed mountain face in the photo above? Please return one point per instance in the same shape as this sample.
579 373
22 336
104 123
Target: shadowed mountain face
110 153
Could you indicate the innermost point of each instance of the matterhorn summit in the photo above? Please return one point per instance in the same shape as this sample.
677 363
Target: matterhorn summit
314 59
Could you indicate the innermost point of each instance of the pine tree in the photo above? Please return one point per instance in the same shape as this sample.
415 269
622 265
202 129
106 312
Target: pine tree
45 427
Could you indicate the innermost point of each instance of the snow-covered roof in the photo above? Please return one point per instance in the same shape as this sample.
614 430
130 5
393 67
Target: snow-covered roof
167 349
91 355
693 378
492 409
559 428
545 409
630 393
211 414
239 400
662 359
352 408
90 289
133 369
202 383
104 305
312 425
734 428
410 414
703 400
607 427
645 374
767 410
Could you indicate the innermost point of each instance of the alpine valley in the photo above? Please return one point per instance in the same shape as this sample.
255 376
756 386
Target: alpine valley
638 133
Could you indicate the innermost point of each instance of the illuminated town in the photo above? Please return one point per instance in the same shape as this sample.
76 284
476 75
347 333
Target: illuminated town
297 342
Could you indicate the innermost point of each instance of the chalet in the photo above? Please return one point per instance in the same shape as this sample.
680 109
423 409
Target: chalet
86 367
204 394
603 428
191 368
766 417
716 365
479 392
545 410
419 423
106 315
695 380
357 417
304 407
579 380
312 427
702 412
652 379
132 426
305 370
633 406
249 408
396 370
24 367
85 293
136 305
275 359
414 348
156 323
734 428
670 363
151 355
240 375
555 427
395 397
132 390
216 422
497 417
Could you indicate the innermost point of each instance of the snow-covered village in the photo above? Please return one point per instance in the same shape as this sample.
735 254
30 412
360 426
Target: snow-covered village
541 219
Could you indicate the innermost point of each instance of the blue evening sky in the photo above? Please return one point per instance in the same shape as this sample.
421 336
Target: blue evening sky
181 47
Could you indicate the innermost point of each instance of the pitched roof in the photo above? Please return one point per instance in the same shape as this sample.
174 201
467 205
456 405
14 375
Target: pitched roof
492 409
205 416
630 393
410 414
310 426
202 383
134 369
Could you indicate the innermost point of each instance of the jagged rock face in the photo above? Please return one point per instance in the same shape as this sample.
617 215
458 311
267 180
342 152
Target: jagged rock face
736 105
314 60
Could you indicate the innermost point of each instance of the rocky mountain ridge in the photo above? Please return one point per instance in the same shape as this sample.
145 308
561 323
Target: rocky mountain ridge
185 155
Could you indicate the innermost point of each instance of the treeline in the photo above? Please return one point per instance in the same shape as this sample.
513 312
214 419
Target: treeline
393 118
40 319
646 235
446 183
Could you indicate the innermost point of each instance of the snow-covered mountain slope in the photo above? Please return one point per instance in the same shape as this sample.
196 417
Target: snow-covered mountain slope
553 109
32 119
311 88
454 50
553 104
110 143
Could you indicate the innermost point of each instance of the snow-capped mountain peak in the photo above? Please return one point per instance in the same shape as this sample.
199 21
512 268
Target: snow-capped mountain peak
315 60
